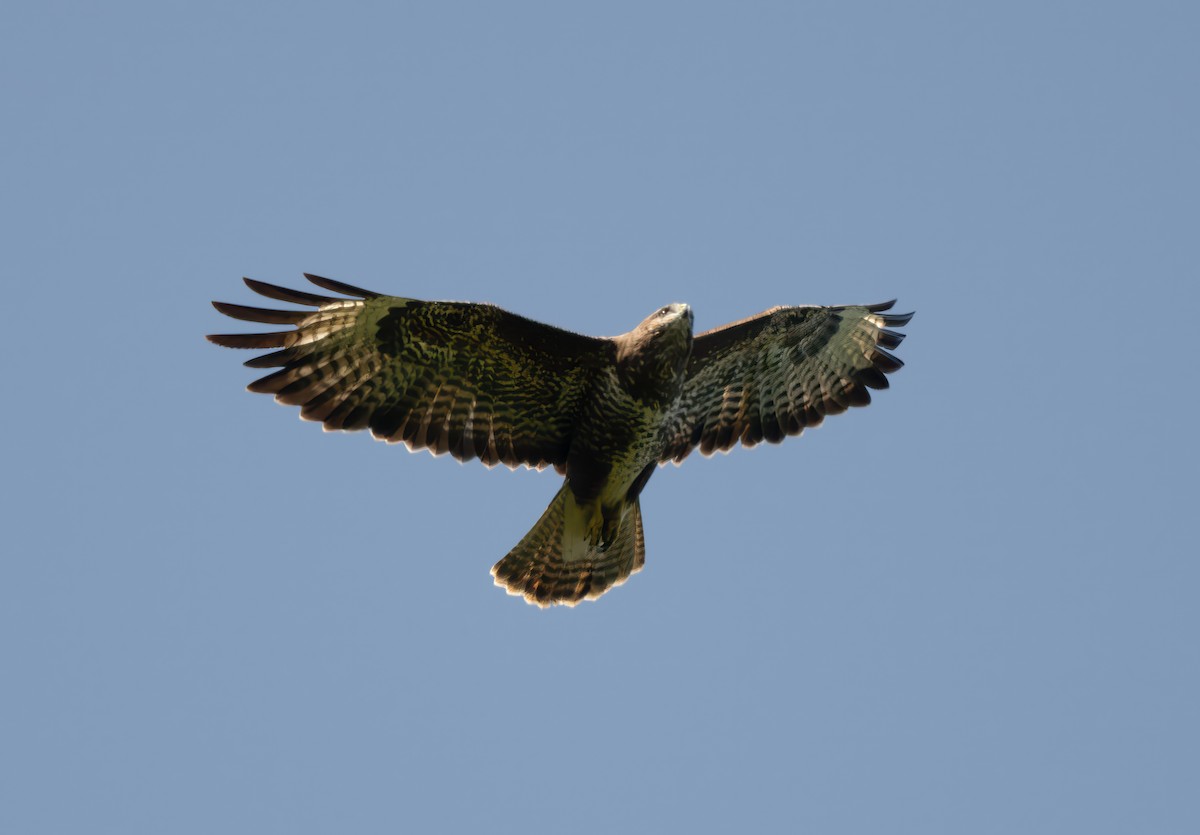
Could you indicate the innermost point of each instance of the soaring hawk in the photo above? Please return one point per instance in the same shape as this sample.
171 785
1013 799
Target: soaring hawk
479 382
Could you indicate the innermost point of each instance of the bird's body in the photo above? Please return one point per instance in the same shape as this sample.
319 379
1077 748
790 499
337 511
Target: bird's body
478 382
618 438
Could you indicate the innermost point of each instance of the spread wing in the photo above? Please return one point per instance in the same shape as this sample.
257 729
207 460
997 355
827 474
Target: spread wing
770 376
469 379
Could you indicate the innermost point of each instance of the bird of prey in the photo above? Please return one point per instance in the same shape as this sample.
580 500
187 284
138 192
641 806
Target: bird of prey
479 382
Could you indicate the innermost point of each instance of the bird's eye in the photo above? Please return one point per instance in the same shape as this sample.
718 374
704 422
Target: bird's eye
665 311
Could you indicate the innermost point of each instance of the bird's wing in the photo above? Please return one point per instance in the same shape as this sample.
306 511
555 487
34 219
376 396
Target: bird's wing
469 379
770 376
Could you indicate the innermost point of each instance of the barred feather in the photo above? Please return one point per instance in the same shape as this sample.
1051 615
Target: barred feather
470 380
775 374
537 570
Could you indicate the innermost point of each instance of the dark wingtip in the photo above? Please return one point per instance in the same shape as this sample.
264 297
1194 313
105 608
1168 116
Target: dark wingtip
879 307
340 287
283 294
261 315
885 362
249 340
897 320
276 359
873 378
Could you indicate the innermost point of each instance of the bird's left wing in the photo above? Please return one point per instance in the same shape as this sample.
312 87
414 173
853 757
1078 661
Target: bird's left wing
770 376
469 379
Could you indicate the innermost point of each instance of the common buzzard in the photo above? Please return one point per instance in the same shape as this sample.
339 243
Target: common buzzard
479 382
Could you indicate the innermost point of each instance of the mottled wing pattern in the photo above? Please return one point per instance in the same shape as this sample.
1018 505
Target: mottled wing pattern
469 379
770 376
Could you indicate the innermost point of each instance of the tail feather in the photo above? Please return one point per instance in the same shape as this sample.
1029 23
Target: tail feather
536 569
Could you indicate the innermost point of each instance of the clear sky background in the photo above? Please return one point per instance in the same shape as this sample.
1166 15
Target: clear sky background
969 608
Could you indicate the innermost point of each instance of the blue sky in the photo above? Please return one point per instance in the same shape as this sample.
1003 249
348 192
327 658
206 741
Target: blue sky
970 607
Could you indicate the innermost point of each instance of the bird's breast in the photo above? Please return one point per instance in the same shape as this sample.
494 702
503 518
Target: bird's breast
618 434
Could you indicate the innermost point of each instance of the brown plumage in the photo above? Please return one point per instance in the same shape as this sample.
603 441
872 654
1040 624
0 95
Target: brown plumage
476 381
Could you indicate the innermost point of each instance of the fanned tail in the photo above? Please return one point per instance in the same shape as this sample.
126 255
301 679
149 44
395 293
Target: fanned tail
537 570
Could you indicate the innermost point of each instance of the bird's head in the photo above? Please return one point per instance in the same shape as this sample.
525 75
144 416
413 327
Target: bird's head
670 330
658 348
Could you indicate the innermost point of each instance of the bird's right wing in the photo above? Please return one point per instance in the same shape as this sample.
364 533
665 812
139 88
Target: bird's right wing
469 379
